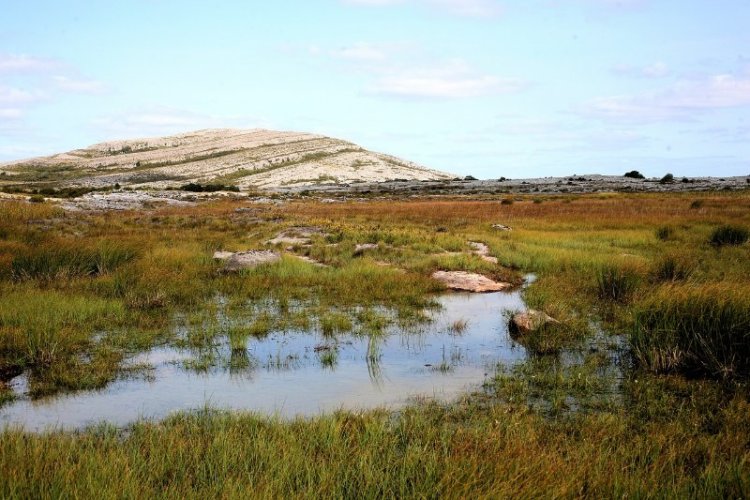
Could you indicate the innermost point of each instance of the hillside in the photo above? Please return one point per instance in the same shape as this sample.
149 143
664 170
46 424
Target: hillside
245 158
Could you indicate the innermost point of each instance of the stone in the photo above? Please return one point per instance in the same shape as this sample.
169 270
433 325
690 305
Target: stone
236 261
483 251
529 321
502 227
469 282
360 248
301 236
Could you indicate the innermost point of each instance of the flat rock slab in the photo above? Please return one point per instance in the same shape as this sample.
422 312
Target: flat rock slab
502 227
236 261
361 248
469 282
526 322
297 236
483 251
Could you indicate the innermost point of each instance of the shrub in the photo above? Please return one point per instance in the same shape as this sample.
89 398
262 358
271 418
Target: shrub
36 198
634 174
667 179
696 204
729 235
208 188
694 330
506 201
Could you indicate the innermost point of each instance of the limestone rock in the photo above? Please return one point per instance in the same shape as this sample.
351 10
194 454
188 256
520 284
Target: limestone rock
526 322
469 282
236 261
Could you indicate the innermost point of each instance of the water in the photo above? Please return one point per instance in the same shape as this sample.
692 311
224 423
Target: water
283 373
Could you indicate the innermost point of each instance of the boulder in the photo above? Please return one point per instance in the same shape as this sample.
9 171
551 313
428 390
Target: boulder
236 261
502 227
469 282
526 322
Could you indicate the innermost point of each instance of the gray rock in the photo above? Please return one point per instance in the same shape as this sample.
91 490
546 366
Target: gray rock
236 261
529 321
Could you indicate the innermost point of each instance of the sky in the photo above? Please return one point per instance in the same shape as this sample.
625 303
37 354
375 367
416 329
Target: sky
489 88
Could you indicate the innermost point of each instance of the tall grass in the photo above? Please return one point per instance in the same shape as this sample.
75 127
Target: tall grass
698 330
69 259
729 235
617 282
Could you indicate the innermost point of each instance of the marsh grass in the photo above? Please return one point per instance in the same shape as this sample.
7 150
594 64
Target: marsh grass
729 235
617 282
549 428
694 330
60 260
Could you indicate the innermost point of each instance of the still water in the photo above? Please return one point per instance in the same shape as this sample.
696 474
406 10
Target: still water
292 373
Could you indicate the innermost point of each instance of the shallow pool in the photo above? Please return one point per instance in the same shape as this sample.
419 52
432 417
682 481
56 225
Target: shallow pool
298 373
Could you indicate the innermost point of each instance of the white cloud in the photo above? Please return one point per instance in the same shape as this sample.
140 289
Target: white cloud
443 83
361 52
469 8
10 113
655 70
15 63
78 85
161 120
682 101
15 96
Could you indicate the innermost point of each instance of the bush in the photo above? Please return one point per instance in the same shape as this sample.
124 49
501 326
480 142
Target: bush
37 198
729 235
506 201
667 179
634 174
208 188
696 204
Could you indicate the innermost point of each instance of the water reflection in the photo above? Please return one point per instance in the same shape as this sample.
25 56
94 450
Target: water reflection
290 372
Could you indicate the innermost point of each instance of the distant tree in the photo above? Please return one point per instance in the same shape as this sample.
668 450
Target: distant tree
634 174
470 178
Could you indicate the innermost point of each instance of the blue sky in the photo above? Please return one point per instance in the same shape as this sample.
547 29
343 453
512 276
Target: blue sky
483 87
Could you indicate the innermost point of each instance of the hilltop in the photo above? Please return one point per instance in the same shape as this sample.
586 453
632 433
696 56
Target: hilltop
243 158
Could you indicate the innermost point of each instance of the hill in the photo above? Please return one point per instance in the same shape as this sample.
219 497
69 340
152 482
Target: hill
244 158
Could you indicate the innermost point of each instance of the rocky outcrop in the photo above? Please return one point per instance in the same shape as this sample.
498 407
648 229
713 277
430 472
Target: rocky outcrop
236 261
469 282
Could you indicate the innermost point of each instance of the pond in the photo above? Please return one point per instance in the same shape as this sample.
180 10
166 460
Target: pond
298 373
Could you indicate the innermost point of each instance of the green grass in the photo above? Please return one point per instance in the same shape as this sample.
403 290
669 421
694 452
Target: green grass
79 293
698 330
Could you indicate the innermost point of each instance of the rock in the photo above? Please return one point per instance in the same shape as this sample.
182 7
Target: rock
482 251
361 248
236 261
296 236
525 322
502 227
469 282
310 260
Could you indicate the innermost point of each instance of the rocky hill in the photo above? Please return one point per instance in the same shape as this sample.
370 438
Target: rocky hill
243 158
